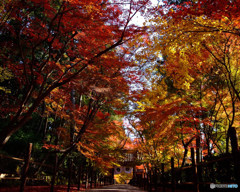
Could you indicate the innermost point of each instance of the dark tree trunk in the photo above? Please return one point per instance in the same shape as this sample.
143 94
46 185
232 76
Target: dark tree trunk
173 182
25 167
195 173
55 169
79 176
69 174
235 152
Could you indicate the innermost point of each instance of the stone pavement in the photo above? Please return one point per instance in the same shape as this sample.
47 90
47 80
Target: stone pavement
117 188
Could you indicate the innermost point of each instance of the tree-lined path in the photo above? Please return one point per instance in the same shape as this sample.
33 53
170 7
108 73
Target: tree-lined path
117 188
89 98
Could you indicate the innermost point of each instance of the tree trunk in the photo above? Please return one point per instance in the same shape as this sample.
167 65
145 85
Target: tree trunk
55 169
184 155
173 182
155 178
195 173
235 152
79 176
234 140
69 174
163 177
25 167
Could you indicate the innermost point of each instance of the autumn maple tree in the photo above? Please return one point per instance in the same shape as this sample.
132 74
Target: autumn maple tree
62 47
190 59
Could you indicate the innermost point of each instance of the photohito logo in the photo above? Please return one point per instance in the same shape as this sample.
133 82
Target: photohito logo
213 186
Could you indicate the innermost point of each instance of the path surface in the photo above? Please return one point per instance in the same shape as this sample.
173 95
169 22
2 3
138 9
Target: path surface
117 188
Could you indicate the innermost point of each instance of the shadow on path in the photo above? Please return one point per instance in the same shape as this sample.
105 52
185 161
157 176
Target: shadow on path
117 188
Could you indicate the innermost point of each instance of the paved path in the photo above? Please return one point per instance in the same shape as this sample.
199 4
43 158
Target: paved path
117 188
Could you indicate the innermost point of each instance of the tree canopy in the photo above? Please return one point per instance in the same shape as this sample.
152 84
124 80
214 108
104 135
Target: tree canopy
86 75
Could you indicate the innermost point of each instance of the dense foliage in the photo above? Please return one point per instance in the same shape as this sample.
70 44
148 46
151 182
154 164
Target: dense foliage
191 98
71 70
